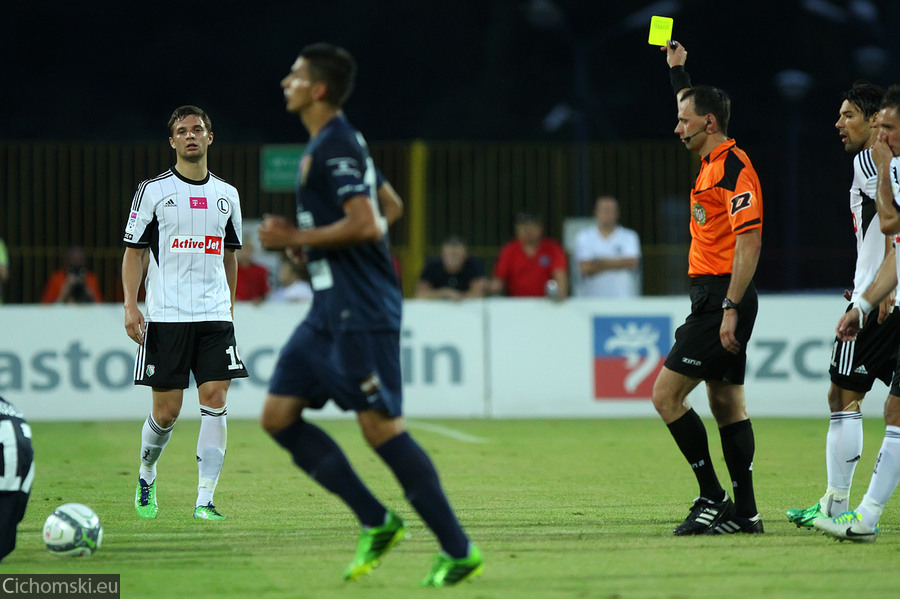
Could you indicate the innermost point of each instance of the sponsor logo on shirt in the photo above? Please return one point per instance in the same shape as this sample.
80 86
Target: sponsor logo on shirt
169 204
132 223
343 167
198 203
195 244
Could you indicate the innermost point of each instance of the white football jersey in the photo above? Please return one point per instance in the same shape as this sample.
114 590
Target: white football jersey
870 241
187 225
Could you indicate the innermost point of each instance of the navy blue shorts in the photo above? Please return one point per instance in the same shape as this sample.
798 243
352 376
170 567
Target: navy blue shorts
359 370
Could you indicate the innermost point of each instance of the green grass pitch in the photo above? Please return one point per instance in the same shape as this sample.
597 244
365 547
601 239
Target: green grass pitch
560 508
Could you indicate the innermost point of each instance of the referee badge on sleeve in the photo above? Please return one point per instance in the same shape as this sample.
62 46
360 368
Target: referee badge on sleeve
699 213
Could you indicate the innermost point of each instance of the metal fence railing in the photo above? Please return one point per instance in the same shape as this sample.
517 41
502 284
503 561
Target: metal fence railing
55 195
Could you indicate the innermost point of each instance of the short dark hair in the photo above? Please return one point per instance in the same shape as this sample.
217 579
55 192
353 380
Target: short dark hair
186 111
892 98
333 66
865 96
711 100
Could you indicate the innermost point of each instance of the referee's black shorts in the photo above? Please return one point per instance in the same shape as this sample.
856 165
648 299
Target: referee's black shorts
698 351
872 355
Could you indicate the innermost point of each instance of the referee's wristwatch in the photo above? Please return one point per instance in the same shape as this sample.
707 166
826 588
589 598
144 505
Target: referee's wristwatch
727 304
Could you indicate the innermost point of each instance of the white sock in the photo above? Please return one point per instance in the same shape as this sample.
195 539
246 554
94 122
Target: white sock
843 446
210 451
884 478
153 441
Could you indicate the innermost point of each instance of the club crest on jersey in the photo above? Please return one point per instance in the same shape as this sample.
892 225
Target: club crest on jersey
195 244
223 205
305 163
151 370
699 213
198 203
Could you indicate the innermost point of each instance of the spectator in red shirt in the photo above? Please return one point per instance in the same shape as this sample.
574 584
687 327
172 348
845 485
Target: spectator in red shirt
252 278
527 263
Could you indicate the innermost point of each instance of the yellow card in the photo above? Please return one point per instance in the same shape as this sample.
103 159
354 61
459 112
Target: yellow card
660 30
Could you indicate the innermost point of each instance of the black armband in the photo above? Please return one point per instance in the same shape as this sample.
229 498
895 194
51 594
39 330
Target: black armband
680 78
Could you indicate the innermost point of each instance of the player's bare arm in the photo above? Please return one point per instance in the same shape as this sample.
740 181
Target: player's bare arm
884 193
132 272
231 268
390 202
359 225
746 256
886 306
883 286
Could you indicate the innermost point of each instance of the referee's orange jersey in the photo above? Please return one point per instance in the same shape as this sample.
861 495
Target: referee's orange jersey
726 201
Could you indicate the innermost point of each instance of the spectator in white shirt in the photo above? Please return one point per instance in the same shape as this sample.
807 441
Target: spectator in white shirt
608 255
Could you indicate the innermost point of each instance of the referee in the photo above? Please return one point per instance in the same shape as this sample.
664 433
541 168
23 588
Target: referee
711 345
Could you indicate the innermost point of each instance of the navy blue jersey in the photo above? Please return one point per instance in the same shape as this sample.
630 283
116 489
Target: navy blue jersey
354 288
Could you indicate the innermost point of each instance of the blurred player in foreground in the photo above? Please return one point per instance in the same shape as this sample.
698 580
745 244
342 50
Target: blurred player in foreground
711 346
348 346
190 220
857 363
861 525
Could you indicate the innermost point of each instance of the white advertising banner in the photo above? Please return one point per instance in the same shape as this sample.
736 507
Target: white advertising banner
496 358
600 357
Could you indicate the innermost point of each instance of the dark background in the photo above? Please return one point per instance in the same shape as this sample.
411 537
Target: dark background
478 70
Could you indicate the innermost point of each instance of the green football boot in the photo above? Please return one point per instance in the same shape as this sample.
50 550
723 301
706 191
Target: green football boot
373 543
448 571
804 518
207 512
145 499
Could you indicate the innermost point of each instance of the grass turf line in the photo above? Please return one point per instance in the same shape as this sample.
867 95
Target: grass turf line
560 508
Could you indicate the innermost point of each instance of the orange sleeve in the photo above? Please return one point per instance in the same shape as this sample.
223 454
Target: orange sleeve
52 287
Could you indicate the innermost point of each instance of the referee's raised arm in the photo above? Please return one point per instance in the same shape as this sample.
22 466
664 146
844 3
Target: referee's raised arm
676 56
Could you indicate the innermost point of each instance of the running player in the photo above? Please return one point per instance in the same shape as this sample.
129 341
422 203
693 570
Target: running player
711 346
861 525
348 347
16 473
855 364
190 220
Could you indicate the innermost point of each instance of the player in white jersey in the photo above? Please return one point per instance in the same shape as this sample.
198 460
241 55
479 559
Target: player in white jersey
190 221
857 362
861 525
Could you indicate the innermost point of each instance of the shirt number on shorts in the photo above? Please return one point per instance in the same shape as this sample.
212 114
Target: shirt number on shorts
235 357
10 481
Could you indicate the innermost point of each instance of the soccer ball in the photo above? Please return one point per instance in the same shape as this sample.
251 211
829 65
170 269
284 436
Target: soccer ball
73 529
